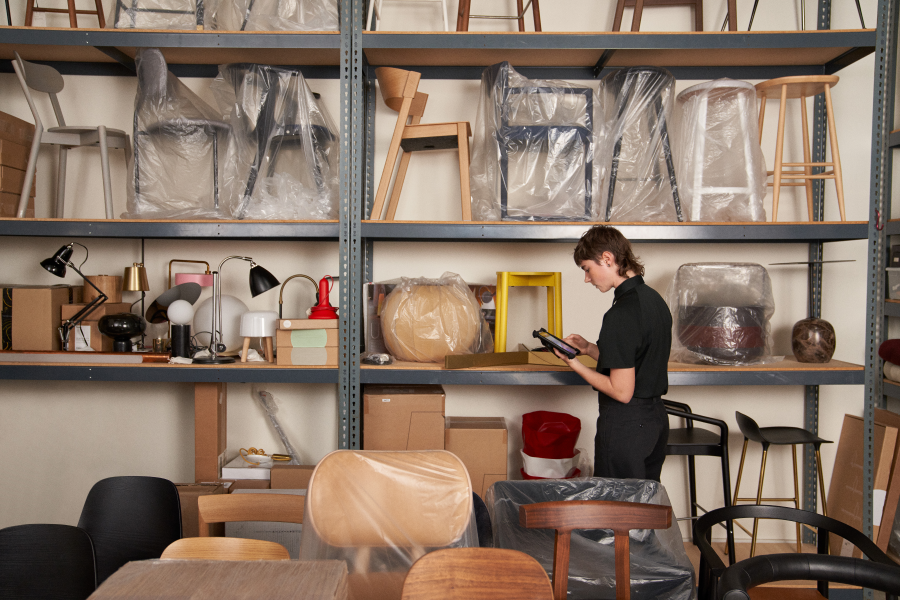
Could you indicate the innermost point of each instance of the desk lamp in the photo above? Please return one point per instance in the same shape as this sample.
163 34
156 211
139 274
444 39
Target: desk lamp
281 292
57 264
260 281
135 280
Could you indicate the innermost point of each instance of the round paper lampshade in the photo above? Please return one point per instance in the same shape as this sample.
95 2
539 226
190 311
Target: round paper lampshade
180 312
259 323
232 309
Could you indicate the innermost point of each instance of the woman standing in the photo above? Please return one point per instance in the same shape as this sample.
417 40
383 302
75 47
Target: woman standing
632 354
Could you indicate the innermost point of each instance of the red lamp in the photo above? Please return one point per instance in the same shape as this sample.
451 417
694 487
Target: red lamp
324 309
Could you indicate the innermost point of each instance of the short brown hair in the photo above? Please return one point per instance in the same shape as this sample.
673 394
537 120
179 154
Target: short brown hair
603 238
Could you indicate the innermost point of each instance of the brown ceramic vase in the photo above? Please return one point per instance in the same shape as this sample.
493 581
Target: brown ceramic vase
813 340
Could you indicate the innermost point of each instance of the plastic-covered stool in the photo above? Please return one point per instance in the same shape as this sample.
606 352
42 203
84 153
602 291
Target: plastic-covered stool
506 279
722 169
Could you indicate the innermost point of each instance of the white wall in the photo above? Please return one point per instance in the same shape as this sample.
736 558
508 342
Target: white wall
64 436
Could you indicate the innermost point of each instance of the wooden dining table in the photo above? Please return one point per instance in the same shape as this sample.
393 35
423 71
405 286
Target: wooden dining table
227 580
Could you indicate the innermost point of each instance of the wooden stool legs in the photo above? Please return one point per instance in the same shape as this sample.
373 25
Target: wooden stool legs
463 14
31 8
268 353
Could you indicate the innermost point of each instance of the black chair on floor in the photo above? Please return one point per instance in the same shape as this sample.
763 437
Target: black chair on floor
130 518
710 576
52 562
693 441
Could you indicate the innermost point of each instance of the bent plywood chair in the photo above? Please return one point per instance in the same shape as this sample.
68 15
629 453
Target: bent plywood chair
225 548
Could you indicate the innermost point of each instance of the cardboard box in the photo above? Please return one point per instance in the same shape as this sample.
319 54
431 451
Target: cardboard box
15 129
885 501
35 316
188 493
307 357
210 429
482 444
107 308
306 338
290 477
286 534
238 468
9 206
502 359
403 417
14 155
12 180
374 295
86 337
246 484
289 324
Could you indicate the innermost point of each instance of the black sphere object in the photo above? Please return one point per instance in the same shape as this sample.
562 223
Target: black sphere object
813 340
121 327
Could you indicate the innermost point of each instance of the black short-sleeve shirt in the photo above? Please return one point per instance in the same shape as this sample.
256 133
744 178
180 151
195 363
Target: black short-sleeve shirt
637 332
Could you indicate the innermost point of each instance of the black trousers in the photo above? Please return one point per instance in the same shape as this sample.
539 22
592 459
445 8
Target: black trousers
631 439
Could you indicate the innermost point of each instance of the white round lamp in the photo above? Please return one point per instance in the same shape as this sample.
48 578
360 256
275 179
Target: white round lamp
181 312
229 324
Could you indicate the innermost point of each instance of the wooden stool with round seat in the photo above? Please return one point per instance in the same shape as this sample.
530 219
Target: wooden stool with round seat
31 7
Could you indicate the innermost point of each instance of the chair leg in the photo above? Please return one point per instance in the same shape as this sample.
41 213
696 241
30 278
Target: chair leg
520 10
636 17
536 14
732 15
821 482
462 17
796 493
698 15
398 185
100 18
29 170
692 492
61 182
29 12
779 154
104 167
807 158
617 19
670 164
502 304
465 194
835 153
726 492
390 160
557 303
762 476
73 17
737 485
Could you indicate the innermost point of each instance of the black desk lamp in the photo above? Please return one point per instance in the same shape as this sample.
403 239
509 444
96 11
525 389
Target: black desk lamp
57 264
260 281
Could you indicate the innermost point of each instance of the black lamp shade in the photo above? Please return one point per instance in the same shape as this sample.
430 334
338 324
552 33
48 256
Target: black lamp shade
56 264
261 281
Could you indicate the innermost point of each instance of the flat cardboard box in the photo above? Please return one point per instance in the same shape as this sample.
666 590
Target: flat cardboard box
286 534
9 206
482 444
845 492
306 338
86 337
35 317
503 359
210 429
14 155
307 357
246 484
290 477
885 525
107 308
407 417
188 493
289 324
15 129
238 468
12 180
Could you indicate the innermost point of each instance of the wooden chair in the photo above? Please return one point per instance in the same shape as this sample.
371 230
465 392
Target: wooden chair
620 517
399 90
228 508
697 5
463 16
31 7
225 548
487 573
801 87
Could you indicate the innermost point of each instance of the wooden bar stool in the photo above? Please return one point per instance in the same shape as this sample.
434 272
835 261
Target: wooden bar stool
399 90
507 279
801 87
31 7
462 18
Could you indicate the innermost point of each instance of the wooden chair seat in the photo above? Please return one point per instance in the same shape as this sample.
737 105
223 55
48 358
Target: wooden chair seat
225 548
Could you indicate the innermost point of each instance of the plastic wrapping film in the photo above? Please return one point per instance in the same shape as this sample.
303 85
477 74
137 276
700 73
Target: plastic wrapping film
282 159
660 567
274 15
533 149
721 169
380 511
156 14
177 141
639 181
721 313
424 320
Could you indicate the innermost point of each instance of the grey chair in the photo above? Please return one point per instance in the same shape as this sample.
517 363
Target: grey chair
46 79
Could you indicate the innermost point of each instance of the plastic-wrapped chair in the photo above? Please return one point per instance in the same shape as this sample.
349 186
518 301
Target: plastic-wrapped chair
274 15
157 14
273 110
660 567
380 511
175 132
46 562
641 96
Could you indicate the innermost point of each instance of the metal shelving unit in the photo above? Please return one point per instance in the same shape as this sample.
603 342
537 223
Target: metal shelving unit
168 373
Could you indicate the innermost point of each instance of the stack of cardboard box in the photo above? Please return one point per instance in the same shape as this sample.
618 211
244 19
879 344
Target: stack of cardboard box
307 342
412 417
86 336
15 143
30 315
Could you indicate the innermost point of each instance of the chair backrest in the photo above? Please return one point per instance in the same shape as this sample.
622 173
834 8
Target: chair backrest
130 518
712 567
225 548
41 78
228 508
398 85
749 428
152 74
485 573
620 517
741 576
52 562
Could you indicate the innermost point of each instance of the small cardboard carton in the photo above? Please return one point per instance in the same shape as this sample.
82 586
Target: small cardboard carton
13 155
407 417
290 477
12 180
35 316
289 324
9 206
482 445
504 359
15 129
306 338
307 357
188 493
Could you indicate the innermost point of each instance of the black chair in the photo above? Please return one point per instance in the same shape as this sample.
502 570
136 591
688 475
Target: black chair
777 436
712 569
738 579
52 562
693 441
483 522
130 518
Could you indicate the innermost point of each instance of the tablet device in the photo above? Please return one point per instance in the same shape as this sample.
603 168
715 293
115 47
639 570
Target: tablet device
550 342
